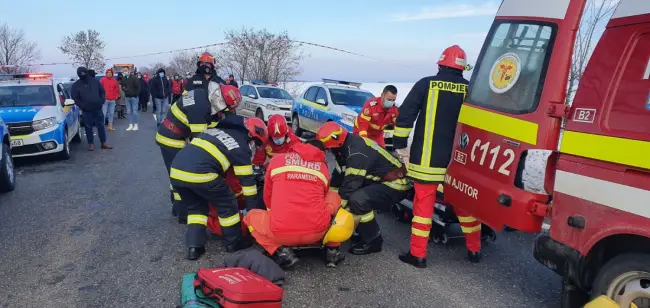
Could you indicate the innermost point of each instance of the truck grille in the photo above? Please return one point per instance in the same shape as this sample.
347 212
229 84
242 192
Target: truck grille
20 128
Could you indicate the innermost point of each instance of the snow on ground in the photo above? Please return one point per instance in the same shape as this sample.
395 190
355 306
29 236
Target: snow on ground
297 88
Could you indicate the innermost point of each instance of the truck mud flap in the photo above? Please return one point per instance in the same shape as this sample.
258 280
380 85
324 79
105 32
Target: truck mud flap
564 260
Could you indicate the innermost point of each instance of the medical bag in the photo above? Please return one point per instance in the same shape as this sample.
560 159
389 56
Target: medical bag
237 287
193 298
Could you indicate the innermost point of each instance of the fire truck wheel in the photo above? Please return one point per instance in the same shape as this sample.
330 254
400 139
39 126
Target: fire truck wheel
625 279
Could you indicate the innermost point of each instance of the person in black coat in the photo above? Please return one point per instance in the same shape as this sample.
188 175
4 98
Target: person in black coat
144 94
160 93
90 96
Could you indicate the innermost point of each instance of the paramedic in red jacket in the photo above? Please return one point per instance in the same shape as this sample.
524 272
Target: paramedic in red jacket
300 206
282 139
112 89
376 114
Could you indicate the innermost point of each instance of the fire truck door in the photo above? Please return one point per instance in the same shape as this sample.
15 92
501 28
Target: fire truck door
511 119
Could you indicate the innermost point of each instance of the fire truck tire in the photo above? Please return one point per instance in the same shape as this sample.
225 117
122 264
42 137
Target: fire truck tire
626 271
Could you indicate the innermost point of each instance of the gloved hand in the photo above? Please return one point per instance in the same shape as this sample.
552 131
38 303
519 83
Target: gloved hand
403 155
244 212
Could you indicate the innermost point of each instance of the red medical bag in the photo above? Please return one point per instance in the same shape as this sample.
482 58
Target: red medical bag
237 287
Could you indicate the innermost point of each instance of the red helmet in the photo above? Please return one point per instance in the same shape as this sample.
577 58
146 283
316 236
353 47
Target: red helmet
257 130
453 57
332 135
231 95
278 127
206 57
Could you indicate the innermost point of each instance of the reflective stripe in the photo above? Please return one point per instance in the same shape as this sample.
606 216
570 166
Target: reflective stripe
213 150
313 172
250 229
249 190
389 157
355 171
470 229
190 177
422 220
627 152
177 197
197 219
243 170
420 233
213 124
402 132
499 124
441 188
171 187
172 143
368 216
428 174
429 126
198 128
338 168
317 106
239 194
375 126
178 113
365 117
344 203
334 189
466 219
373 178
363 133
399 185
229 221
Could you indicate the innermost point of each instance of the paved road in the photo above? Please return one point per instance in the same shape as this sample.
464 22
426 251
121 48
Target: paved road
96 231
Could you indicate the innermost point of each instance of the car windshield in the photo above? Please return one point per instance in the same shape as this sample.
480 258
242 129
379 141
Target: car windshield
276 93
41 95
350 97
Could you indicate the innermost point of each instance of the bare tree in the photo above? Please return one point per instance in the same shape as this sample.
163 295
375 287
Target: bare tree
596 14
184 61
252 54
16 52
156 66
85 48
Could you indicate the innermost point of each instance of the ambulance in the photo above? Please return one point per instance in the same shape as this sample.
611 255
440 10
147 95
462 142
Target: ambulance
593 186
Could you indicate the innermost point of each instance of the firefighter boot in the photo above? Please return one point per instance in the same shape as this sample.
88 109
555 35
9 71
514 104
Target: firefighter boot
194 253
355 238
363 248
408 258
474 257
333 256
285 257
240 244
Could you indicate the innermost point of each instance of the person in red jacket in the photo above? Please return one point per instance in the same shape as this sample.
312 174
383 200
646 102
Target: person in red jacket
376 114
300 205
178 85
282 139
112 89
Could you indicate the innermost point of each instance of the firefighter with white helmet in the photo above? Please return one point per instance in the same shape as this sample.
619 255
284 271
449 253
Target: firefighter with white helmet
435 102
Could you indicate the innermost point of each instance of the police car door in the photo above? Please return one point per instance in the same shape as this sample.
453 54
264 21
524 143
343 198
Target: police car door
70 113
248 95
513 112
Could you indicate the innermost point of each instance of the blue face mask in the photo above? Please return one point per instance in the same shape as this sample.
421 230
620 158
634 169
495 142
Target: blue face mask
161 75
388 104
278 141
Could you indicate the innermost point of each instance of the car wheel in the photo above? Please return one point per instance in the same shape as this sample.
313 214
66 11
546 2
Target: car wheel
259 114
7 174
295 126
77 137
625 279
65 153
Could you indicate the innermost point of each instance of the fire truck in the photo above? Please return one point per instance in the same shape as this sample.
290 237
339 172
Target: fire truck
514 166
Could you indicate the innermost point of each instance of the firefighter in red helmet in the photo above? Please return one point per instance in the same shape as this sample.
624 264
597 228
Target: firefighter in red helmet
281 139
198 174
205 72
367 177
435 102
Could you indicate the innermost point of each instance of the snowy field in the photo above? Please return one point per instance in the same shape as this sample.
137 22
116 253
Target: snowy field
297 88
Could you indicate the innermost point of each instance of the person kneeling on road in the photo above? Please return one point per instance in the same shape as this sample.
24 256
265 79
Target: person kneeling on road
367 177
300 208
198 175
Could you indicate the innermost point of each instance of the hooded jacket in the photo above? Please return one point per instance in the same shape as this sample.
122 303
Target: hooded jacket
87 92
160 87
111 86
295 186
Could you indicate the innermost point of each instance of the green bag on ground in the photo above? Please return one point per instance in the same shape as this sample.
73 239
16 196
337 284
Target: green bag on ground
189 297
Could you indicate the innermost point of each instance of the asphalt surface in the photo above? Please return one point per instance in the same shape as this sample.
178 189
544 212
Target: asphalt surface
96 231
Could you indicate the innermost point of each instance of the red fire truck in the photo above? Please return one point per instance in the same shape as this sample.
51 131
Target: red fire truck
512 165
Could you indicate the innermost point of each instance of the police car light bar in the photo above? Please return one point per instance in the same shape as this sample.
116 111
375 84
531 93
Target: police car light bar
347 83
26 76
258 82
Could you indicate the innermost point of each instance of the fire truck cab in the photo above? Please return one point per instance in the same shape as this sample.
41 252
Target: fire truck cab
513 166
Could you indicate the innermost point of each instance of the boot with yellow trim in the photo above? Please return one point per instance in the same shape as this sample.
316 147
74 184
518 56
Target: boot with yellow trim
195 236
408 258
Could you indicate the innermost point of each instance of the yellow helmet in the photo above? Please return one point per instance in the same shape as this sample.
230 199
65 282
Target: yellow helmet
341 228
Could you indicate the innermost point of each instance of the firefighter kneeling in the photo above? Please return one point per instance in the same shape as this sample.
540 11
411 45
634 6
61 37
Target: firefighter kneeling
300 208
198 174
367 178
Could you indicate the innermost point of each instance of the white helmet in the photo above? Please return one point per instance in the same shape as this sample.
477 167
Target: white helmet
216 97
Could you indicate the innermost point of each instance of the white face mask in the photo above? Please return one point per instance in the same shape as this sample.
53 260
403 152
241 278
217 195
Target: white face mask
388 104
278 141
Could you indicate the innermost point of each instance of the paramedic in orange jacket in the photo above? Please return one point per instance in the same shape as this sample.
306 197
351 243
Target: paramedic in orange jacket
281 139
376 114
300 206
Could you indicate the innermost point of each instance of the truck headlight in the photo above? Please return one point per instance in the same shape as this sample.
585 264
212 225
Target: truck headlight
43 124
348 117
272 107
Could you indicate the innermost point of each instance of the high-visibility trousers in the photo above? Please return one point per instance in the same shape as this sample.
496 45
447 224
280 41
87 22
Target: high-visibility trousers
259 224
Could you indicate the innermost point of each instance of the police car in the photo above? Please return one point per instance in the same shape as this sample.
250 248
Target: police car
41 116
333 100
7 175
261 99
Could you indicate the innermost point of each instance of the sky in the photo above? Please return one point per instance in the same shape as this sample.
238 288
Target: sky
404 37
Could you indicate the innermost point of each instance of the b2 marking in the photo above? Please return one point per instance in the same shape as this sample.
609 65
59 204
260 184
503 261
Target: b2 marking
584 115
460 157
508 153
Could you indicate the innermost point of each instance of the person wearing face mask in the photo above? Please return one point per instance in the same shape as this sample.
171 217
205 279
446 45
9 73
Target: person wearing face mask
131 86
160 91
187 118
198 173
282 139
376 114
177 88
143 98
205 73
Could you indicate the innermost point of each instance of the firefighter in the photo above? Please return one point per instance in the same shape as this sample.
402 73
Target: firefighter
376 114
300 206
367 177
281 139
198 175
205 72
187 118
435 102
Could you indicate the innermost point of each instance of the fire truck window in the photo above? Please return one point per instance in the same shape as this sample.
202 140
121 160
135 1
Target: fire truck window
631 104
510 75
